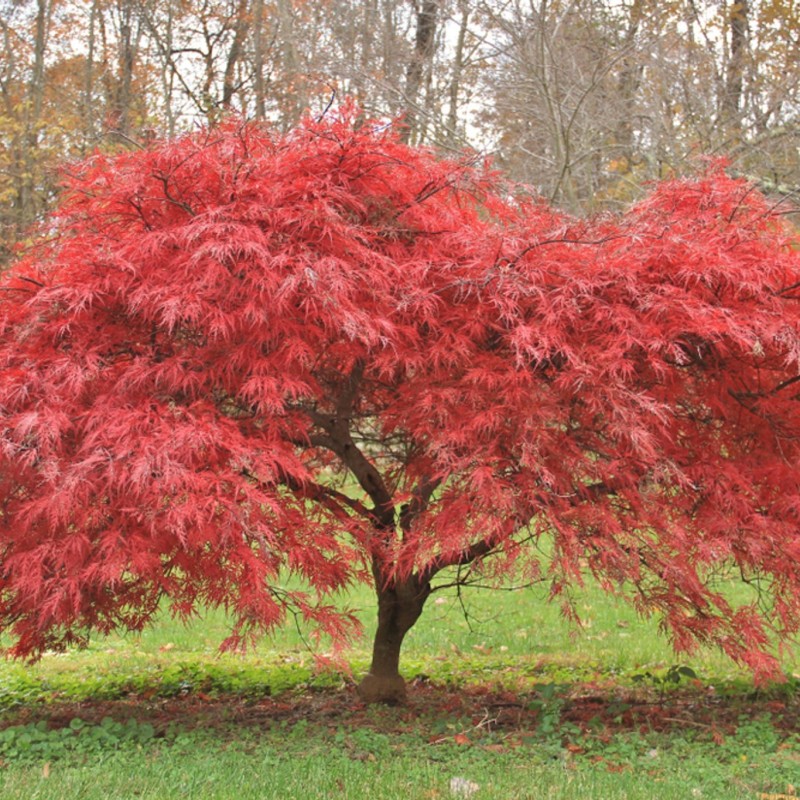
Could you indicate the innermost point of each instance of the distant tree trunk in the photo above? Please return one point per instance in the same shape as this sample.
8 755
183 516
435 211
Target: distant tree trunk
258 58
424 43
129 35
368 50
234 54
734 80
399 607
452 134
627 86
27 190
295 100
168 68
88 80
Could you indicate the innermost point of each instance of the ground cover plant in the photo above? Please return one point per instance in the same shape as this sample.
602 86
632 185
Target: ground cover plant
217 337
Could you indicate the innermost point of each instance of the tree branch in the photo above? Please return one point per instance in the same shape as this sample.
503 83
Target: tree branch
338 439
474 552
784 384
419 501
331 498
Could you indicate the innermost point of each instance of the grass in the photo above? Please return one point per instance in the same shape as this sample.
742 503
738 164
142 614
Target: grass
511 639
509 699
327 752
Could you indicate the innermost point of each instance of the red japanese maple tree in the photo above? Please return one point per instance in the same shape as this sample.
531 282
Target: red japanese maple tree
241 355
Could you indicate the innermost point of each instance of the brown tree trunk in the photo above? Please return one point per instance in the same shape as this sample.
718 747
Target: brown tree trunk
258 59
399 607
88 82
424 46
734 82
627 87
295 99
28 201
234 54
451 133
129 35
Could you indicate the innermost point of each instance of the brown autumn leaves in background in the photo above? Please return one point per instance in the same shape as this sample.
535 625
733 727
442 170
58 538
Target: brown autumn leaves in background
584 99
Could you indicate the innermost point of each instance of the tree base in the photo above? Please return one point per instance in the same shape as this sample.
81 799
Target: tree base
390 691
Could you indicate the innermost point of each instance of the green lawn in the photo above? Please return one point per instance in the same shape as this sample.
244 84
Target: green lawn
510 699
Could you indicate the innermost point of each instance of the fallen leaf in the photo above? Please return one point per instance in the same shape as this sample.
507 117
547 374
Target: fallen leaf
462 787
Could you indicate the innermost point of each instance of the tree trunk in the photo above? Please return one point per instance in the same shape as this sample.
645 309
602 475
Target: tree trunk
128 45
28 201
88 83
451 134
399 607
424 47
234 54
734 82
258 59
627 87
295 100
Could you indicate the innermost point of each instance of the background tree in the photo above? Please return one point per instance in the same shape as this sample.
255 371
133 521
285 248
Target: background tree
586 100
243 356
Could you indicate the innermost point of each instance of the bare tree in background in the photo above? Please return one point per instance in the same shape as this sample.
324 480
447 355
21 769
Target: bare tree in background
419 65
585 100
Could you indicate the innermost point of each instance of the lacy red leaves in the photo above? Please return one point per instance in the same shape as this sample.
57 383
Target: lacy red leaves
242 355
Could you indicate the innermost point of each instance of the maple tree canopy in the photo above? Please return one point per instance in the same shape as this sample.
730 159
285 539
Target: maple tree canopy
241 356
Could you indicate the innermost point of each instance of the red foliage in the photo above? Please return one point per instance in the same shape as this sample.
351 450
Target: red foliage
242 355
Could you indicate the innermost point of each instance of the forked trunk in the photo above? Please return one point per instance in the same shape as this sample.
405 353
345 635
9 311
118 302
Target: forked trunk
399 607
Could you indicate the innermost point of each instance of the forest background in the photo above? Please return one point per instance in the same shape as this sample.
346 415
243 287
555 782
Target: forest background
586 100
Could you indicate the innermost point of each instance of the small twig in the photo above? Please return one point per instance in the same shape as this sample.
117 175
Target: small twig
31 280
327 107
119 134
688 722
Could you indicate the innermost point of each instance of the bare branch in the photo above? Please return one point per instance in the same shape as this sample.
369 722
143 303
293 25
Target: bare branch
419 501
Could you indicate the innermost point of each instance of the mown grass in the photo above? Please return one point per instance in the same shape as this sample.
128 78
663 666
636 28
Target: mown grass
509 699
302 765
